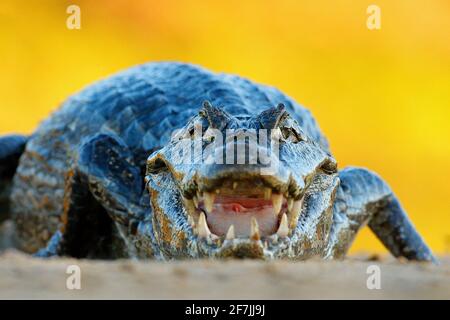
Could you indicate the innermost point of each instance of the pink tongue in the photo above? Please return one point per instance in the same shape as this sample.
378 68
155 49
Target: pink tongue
229 213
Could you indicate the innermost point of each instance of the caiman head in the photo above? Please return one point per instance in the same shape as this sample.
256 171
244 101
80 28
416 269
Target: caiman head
241 186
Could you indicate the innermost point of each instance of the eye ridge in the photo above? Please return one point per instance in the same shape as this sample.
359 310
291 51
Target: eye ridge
291 135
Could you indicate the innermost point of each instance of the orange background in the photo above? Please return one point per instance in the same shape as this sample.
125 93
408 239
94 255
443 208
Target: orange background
382 97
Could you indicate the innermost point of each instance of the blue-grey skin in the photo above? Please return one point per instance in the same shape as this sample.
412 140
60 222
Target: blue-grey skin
97 178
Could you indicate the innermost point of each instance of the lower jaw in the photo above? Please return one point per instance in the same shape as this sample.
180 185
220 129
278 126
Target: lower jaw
265 249
287 248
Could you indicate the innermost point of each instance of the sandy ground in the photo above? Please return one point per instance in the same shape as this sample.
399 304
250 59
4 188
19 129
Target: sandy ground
24 277
27 278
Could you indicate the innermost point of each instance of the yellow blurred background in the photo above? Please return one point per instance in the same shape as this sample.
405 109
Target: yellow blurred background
382 97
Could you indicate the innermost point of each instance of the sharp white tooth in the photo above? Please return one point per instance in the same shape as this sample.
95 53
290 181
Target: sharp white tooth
202 228
277 201
208 198
294 214
235 184
266 244
274 238
230 233
254 229
214 237
283 229
189 204
195 200
267 193
290 203
191 221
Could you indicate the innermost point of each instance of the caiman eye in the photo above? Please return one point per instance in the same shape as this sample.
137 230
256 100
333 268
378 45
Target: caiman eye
291 135
200 125
191 131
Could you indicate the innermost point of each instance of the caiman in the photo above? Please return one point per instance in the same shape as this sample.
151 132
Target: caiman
132 167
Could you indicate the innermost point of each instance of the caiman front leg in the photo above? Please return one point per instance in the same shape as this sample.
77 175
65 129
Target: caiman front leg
364 198
103 191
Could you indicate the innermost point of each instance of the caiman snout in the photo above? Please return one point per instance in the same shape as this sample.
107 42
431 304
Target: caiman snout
244 183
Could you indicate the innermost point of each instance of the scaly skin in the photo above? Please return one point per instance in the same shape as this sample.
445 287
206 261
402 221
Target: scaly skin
99 179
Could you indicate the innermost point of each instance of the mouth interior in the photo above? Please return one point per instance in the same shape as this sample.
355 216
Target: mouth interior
238 211
247 209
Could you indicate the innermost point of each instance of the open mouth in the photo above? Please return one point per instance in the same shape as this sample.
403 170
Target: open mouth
242 209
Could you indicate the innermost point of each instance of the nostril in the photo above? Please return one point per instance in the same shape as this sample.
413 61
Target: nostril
329 166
